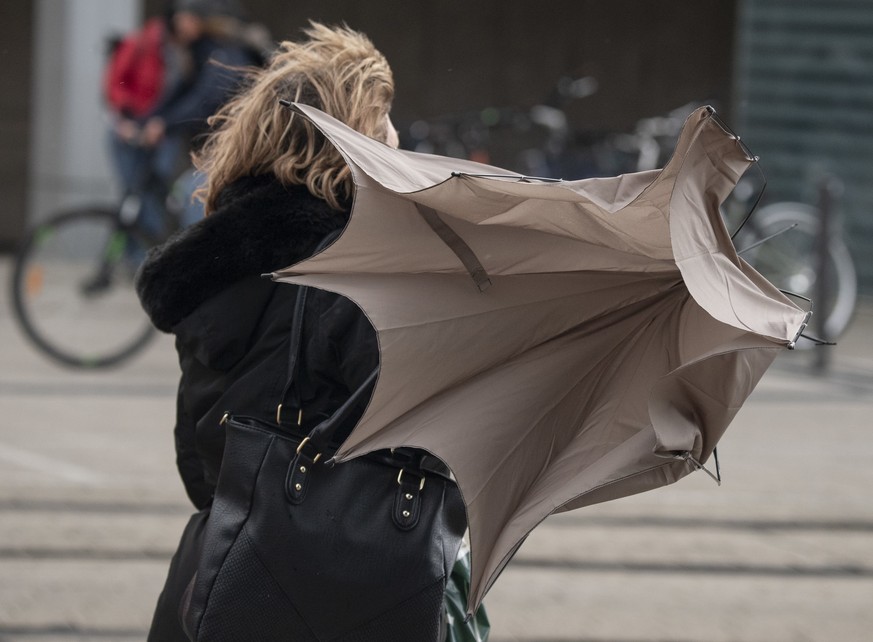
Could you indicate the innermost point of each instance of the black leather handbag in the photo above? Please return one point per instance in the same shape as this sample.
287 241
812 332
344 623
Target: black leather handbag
298 549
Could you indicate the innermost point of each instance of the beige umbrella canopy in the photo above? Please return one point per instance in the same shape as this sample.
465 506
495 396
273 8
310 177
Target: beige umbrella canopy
557 344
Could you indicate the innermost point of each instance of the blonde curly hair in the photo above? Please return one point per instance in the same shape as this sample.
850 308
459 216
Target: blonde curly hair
335 69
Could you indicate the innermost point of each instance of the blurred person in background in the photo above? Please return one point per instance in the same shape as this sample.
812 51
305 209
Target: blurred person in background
162 83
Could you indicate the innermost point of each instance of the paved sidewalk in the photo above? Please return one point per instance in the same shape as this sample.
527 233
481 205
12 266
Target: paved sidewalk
90 511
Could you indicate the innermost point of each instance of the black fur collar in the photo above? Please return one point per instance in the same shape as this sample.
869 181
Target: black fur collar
260 226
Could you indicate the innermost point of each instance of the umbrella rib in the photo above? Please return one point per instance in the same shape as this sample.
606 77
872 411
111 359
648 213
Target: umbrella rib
457 245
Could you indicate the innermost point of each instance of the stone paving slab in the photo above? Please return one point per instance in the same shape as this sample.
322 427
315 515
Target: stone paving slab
102 596
532 606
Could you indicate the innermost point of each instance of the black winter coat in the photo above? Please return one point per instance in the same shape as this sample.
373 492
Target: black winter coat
232 325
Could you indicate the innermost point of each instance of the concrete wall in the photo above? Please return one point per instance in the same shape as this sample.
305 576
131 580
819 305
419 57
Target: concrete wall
68 162
16 26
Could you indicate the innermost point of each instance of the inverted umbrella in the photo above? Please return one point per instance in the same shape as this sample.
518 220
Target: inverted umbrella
556 344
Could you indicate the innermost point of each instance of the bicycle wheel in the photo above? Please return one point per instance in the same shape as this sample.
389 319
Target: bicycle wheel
789 261
72 289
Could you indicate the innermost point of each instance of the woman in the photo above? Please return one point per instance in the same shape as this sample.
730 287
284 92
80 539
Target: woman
198 48
276 188
206 32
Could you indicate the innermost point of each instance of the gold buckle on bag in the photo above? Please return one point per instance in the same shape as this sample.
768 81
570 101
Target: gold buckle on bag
400 477
303 443
279 415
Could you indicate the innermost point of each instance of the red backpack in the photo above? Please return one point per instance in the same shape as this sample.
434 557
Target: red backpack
134 75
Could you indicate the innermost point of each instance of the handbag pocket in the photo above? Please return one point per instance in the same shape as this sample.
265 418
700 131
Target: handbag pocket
246 602
228 514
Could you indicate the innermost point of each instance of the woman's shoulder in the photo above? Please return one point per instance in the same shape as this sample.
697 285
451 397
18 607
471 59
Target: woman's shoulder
260 226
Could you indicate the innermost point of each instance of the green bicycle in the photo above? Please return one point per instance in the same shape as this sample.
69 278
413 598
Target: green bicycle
72 282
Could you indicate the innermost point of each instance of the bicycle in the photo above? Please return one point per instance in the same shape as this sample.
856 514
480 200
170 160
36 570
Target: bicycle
72 279
781 241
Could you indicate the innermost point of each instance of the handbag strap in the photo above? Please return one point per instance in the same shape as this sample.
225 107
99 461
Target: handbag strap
296 339
321 436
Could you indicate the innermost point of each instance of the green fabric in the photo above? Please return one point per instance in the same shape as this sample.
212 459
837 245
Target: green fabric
477 629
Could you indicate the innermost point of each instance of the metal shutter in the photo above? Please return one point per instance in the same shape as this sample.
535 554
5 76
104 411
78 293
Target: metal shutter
804 104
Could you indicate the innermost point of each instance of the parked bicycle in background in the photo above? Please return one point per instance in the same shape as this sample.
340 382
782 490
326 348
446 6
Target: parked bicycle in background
72 280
